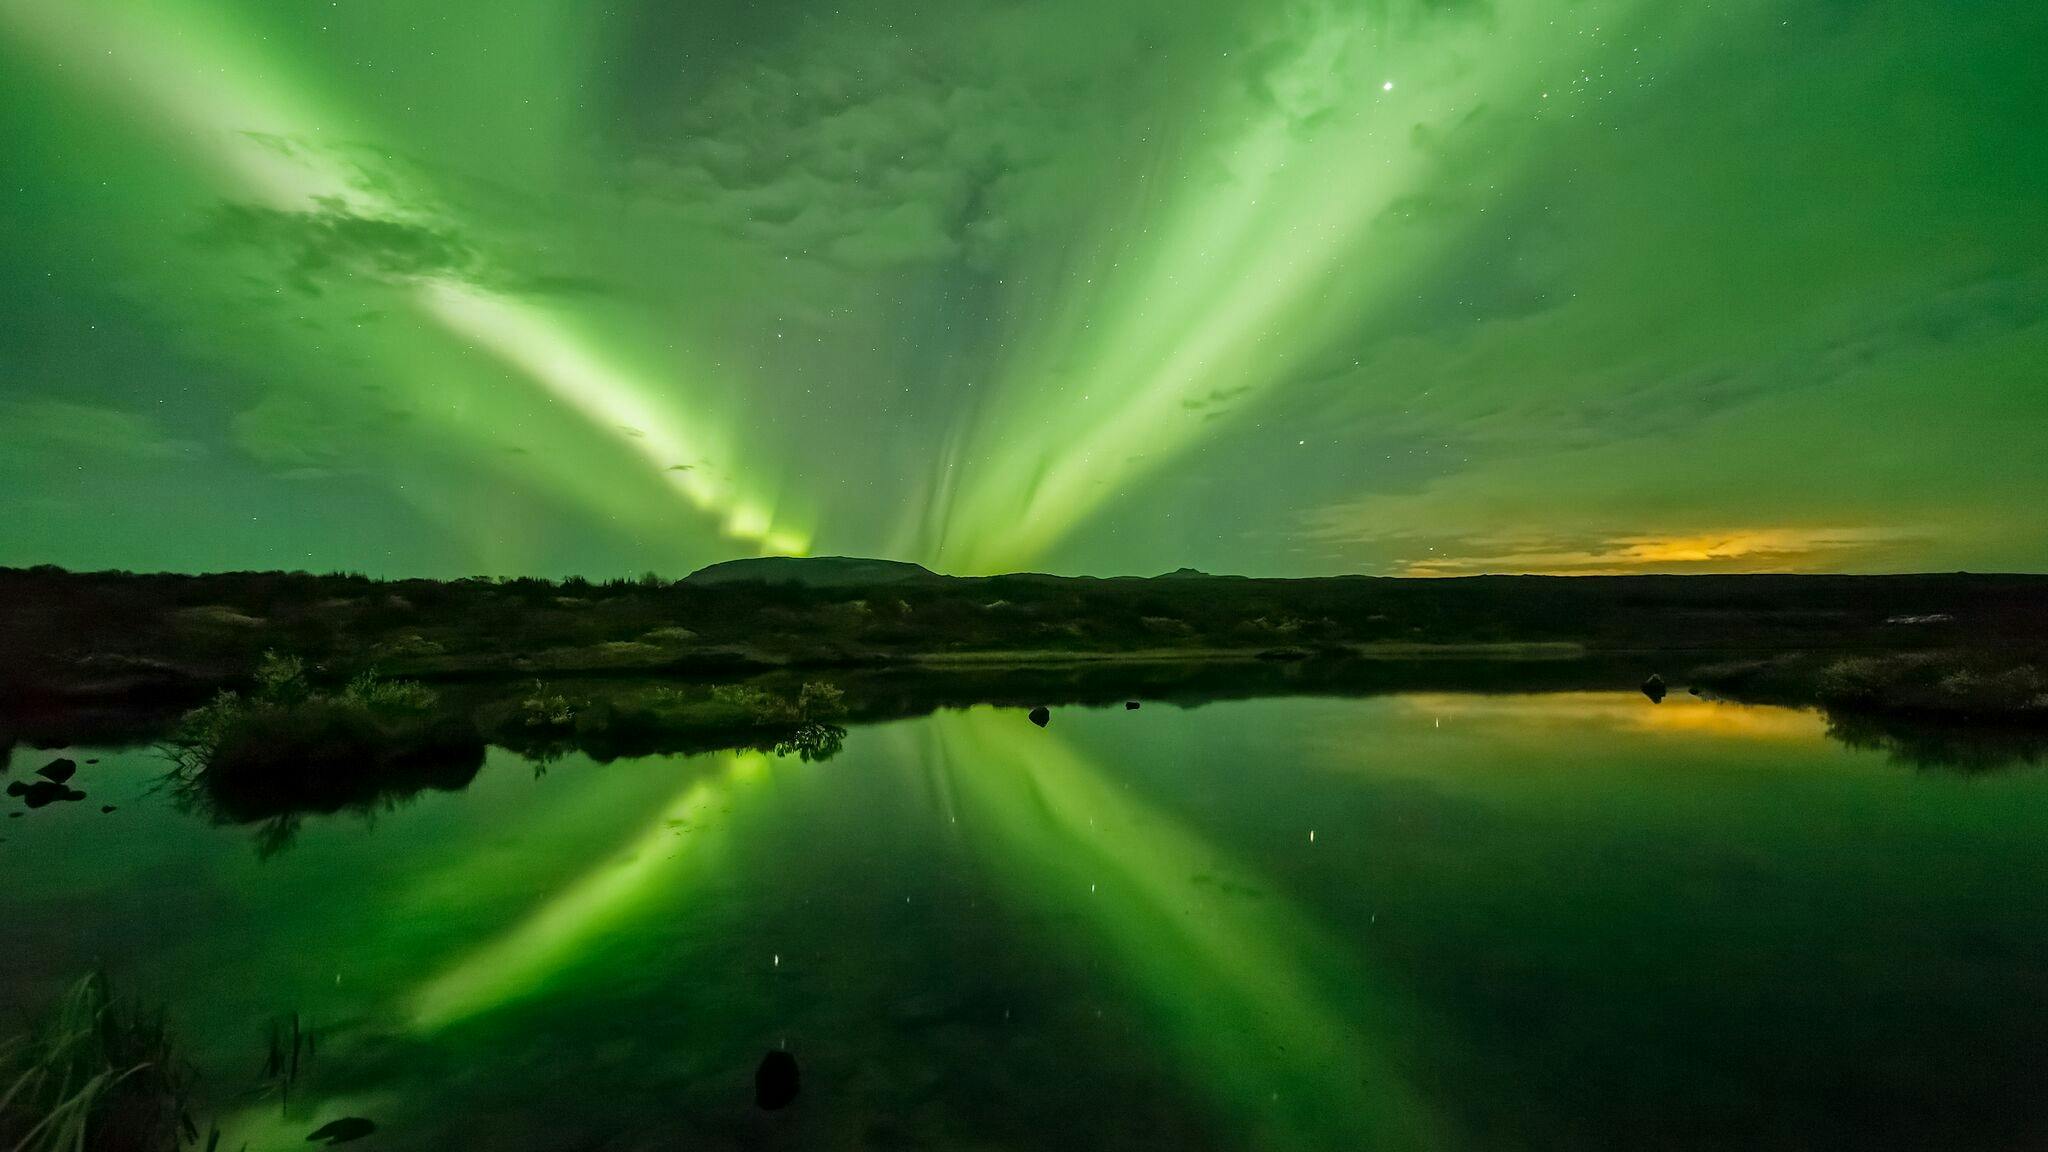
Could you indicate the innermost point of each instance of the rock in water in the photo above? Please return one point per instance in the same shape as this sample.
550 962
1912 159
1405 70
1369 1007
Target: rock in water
342 1131
1130 705
62 769
775 1081
1654 688
106 808
45 792
16 787
1041 716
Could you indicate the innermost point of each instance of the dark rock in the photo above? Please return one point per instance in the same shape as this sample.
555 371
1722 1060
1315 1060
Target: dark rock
342 1131
16 787
1654 688
106 808
14 815
46 792
92 760
1130 705
775 1081
62 769
1041 716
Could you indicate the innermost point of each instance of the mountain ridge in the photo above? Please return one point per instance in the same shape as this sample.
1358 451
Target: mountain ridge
812 572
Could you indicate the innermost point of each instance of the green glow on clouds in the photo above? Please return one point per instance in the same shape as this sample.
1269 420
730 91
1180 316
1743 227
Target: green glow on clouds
1430 286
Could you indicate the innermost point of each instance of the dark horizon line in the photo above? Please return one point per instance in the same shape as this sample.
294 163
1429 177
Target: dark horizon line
1187 573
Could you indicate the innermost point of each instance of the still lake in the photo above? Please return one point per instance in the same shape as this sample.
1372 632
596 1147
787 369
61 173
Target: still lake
1443 921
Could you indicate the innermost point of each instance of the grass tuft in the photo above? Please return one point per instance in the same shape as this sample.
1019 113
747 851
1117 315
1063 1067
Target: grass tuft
95 1075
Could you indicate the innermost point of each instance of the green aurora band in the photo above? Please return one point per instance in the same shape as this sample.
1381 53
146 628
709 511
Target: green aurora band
1420 286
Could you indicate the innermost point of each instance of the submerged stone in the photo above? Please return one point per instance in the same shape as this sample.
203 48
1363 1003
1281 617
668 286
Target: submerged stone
106 808
46 792
62 769
775 1081
1130 705
342 1131
1041 716
1654 688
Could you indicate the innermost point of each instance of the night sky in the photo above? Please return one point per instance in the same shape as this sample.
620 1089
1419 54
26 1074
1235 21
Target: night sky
1283 287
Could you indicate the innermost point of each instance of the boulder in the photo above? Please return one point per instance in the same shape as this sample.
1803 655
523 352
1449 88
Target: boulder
342 1131
1654 688
1041 716
775 1081
61 770
46 792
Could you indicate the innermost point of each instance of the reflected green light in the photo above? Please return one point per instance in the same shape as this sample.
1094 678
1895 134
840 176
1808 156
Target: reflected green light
521 961
1221 958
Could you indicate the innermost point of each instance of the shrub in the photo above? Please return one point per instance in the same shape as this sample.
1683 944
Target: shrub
281 679
755 704
544 708
372 691
813 742
199 733
820 701
287 749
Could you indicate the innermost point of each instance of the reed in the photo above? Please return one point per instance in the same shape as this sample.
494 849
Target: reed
96 1074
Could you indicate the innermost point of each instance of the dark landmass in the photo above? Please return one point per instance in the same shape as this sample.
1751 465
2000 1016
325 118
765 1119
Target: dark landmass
88 638
741 655
109 634
813 572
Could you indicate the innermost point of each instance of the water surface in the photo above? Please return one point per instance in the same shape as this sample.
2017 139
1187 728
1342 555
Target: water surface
1566 920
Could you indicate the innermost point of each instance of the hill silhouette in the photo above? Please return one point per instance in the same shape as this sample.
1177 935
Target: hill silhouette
813 572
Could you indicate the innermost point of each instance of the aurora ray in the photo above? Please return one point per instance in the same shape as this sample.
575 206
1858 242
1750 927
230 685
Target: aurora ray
1240 279
211 92
1407 286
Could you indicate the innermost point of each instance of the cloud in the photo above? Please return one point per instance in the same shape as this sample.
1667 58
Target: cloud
333 245
1214 400
306 437
863 152
318 247
35 430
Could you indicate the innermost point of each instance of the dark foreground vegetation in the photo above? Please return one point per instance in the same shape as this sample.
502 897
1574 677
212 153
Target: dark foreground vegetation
100 635
278 694
96 1073
286 748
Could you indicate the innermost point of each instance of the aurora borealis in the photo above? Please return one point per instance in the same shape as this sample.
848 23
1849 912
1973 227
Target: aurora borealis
1288 287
